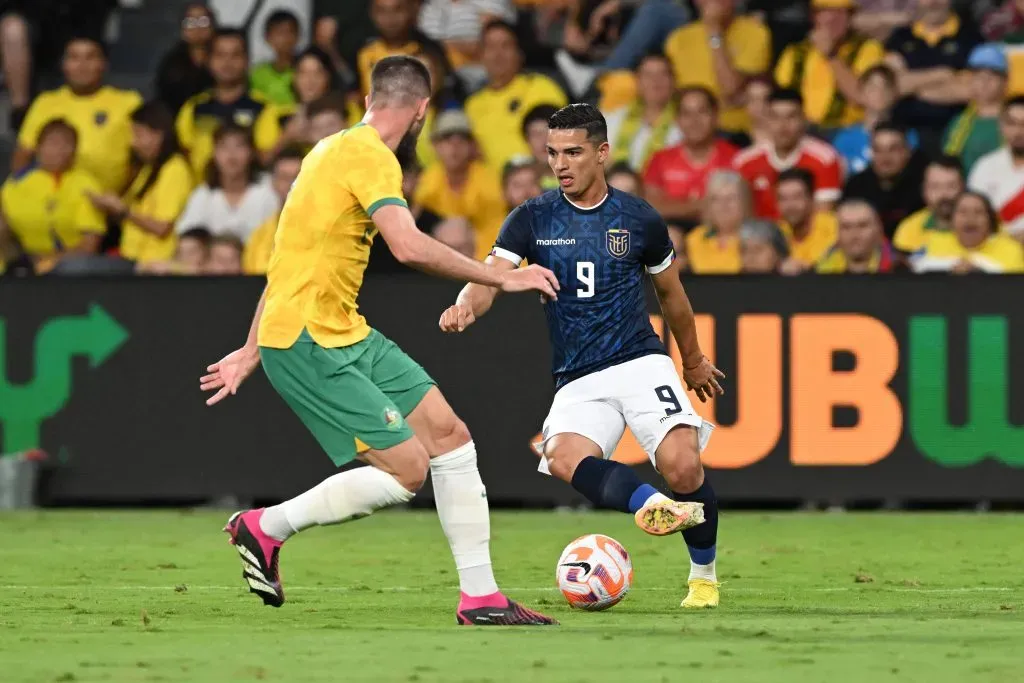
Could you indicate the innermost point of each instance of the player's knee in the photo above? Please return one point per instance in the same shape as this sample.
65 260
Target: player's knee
562 463
683 473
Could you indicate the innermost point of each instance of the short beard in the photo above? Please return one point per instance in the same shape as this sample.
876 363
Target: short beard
406 151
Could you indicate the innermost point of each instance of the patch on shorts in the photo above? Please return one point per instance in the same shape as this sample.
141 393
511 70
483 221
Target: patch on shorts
392 420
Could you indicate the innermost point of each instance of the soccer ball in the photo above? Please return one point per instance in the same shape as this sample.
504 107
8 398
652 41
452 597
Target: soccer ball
594 572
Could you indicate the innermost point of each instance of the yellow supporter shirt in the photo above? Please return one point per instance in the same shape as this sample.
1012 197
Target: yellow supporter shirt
749 44
425 152
822 235
497 115
201 115
999 253
50 214
376 50
913 231
709 253
817 83
256 256
480 201
103 122
164 200
323 240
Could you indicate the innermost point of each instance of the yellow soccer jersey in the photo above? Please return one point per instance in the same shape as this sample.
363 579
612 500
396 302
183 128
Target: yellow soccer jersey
259 247
50 214
822 235
202 115
480 201
711 254
104 126
323 240
998 253
164 200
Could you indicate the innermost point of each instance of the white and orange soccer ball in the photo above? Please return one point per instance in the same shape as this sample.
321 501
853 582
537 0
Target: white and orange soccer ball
594 572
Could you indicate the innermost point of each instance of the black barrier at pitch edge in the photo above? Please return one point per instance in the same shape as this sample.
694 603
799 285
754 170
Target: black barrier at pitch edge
131 425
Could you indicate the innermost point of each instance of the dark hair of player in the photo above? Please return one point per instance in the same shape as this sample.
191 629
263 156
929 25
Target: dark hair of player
786 95
332 101
1016 101
993 217
800 175
279 18
948 162
156 116
700 90
890 127
880 70
231 34
581 117
227 130
399 80
542 112
499 25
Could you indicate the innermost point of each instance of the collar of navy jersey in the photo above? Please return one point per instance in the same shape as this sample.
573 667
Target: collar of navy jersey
585 209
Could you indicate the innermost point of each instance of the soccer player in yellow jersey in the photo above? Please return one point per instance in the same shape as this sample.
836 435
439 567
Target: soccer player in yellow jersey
347 382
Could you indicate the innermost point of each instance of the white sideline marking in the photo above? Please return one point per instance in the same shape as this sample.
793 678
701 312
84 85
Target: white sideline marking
534 589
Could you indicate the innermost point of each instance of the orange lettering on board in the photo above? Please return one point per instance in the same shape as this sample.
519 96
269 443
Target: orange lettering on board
815 388
629 449
757 386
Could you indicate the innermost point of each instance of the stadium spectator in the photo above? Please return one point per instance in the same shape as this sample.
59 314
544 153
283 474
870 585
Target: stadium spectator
460 186
457 232
790 147
943 183
892 182
45 212
714 247
756 93
99 113
647 124
975 132
458 25
190 256
861 247
763 247
229 101
929 58
233 200
158 192
789 21
273 80
975 243
623 178
519 182
225 256
878 87
826 67
315 79
16 60
1003 21
591 30
719 52
260 245
879 18
535 132
446 93
395 21
999 175
676 178
497 111
652 22
184 71
327 116
809 232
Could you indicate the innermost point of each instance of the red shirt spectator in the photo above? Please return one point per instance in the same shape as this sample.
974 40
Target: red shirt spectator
999 175
790 147
675 178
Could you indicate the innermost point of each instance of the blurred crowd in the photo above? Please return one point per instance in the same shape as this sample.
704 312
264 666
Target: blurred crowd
774 136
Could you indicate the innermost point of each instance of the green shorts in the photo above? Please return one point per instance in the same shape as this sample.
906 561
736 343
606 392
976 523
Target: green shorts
363 391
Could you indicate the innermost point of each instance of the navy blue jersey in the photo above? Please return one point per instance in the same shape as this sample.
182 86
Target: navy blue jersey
600 257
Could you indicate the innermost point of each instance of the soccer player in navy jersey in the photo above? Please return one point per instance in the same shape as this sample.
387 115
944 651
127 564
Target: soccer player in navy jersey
610 368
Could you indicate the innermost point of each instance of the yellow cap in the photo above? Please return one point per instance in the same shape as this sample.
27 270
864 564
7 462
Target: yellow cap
833 4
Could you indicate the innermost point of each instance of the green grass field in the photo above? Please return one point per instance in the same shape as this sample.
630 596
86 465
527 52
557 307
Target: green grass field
157 596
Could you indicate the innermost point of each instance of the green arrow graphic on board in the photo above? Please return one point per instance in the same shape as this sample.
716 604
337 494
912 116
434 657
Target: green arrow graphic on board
23 408
988 432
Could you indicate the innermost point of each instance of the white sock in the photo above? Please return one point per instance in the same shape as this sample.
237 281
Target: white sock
703 571
656 498
461 501
345 496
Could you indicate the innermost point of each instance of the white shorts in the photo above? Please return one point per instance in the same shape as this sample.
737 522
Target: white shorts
646 394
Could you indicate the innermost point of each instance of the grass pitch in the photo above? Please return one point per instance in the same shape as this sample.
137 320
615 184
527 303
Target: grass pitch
157 596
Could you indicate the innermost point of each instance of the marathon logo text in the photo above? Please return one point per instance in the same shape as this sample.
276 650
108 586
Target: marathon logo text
560 242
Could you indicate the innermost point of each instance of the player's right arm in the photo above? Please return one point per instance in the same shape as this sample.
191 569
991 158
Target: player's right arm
422 252
227 374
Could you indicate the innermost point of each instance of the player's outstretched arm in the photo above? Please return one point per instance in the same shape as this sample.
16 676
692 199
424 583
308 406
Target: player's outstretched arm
227 374
700 375
473 301
419 251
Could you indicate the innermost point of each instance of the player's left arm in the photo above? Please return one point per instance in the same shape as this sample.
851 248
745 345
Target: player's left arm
227 374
